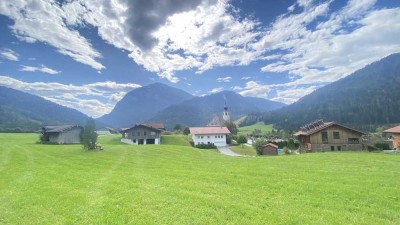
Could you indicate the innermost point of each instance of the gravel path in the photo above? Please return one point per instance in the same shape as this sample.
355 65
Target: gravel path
226 151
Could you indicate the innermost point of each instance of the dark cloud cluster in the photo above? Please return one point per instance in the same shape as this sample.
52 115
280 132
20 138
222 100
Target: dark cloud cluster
146 16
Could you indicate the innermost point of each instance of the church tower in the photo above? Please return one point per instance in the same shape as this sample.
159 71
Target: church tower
226 116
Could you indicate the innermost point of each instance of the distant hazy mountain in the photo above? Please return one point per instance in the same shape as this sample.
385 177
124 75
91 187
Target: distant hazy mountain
143 103
365 99
200 110
20 111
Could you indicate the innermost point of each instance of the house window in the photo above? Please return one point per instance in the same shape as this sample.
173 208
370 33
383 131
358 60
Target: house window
353 141
201 137
152 133
138 133
332 148
339 148
324 136
336 135
144 133
208 136
215 136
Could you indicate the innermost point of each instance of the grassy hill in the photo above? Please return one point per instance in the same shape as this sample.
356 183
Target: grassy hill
169 184
260 126
182 140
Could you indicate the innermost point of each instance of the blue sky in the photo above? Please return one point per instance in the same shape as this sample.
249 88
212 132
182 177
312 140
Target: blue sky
88 54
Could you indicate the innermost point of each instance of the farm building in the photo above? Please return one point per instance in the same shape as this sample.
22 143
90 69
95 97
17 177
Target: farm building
65 134
141 134
394 133
269 149
208 135
329 136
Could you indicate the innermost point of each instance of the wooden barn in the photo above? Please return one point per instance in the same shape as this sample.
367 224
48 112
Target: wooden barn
141 134
329 136
394 134
269 149
65 134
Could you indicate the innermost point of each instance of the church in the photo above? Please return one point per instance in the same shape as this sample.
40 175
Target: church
219 120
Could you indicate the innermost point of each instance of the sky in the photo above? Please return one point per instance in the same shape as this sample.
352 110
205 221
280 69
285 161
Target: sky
87 54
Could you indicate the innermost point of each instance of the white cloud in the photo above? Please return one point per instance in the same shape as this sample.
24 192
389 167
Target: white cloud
346 41
246 78
224 79
42 69
291 95
44 21
216 90
9 54
253 89
94 99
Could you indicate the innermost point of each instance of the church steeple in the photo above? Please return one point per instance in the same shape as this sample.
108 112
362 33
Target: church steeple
226 116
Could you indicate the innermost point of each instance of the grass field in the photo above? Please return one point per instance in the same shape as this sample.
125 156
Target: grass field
244 150
168 184
181 139
260 126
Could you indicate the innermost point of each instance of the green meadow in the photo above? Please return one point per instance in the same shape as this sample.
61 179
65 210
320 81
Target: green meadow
259 126
176 184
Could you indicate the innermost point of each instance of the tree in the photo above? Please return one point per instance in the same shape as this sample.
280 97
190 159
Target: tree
231 127
258 144
186 131
177 128
89 135
241 140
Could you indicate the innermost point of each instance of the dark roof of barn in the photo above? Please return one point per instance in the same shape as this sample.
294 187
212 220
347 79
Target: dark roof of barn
59 129
141 125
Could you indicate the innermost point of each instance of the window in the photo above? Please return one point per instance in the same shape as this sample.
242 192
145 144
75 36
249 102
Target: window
336 135
144 133
138 133
353 141
215 136
332 148
152 133
339 148
201 137
324 136
208 136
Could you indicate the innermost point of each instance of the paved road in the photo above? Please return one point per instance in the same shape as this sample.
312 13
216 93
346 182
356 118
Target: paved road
226 151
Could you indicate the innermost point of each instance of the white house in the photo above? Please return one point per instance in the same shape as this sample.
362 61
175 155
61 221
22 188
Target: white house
207 135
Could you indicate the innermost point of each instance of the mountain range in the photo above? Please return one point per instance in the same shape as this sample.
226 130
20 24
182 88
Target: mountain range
365 99
23 112
199 111
161 103
141 104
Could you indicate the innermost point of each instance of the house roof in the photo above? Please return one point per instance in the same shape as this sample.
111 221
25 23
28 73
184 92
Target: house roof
272 145
209 130
395 130
141 125
155 125
59 129
320 125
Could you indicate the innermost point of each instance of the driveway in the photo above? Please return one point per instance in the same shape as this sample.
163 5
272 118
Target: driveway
226 151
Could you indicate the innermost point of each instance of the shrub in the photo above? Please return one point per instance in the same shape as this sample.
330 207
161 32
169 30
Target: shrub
258 144
206 146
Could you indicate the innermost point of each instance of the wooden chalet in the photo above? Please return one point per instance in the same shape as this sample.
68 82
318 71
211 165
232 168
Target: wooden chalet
141 134
65 134
328 136
394 133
